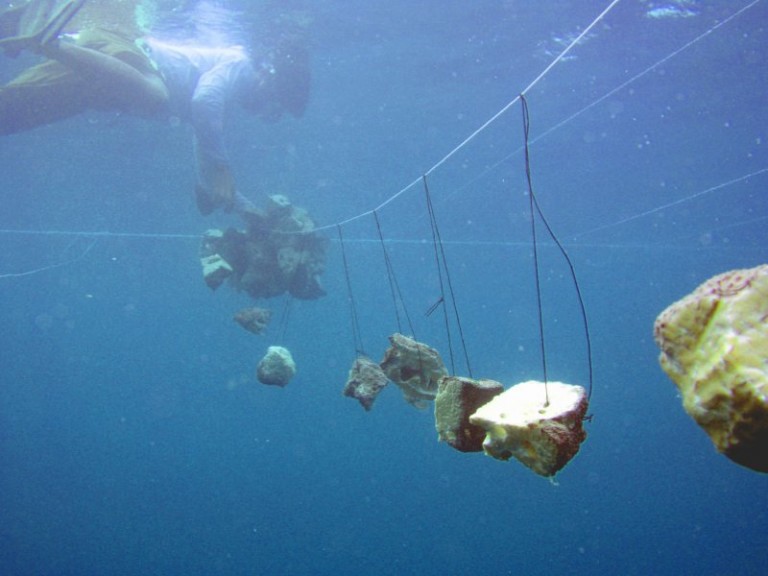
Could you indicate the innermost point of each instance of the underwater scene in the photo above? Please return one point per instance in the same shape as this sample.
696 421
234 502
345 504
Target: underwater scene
340 288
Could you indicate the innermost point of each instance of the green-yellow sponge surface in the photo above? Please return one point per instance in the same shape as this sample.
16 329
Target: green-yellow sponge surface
714 346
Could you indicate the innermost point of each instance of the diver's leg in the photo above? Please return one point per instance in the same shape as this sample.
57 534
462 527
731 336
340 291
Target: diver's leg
53 91
35 24
129 89
43 94
9 22
61 18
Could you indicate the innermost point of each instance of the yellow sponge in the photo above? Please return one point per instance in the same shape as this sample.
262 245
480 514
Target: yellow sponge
714 346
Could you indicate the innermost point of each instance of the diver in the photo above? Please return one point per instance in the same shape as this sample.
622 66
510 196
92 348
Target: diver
99 69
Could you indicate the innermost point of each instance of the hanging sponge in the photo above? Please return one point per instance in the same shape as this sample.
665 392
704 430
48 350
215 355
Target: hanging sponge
415 367
714 346
520 423
457 399
277 367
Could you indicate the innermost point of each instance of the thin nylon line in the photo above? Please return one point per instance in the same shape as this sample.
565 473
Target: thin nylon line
569 47
51 266
644 72
546 71
529 87
490 121
478 243
675 203
99 234
474 134
732 226
369 212
603 97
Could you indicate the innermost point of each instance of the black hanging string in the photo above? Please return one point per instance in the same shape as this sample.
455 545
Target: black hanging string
534 203
532 214
435 240
434 307
440 253
394 287
353 309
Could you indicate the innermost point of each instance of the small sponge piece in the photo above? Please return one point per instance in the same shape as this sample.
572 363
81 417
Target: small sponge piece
714 346
457 398
215 270
254 319
366 379
277 367
520 424
414 367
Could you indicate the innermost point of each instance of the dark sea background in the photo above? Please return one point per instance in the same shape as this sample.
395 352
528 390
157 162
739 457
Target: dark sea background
134 437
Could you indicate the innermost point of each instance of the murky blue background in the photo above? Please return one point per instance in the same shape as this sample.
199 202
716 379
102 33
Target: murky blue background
134 438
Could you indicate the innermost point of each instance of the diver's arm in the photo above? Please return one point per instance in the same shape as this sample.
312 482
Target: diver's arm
215 187
146 92
215 184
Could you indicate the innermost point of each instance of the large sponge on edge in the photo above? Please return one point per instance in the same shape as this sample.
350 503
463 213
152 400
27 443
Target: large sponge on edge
714 346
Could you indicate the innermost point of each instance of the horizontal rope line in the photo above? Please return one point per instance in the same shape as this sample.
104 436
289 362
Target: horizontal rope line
403 241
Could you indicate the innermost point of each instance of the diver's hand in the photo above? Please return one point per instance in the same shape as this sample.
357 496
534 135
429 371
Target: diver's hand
223 185
204 200
217 192
243 205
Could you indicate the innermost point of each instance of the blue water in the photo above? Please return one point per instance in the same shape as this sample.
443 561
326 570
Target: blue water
134 438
